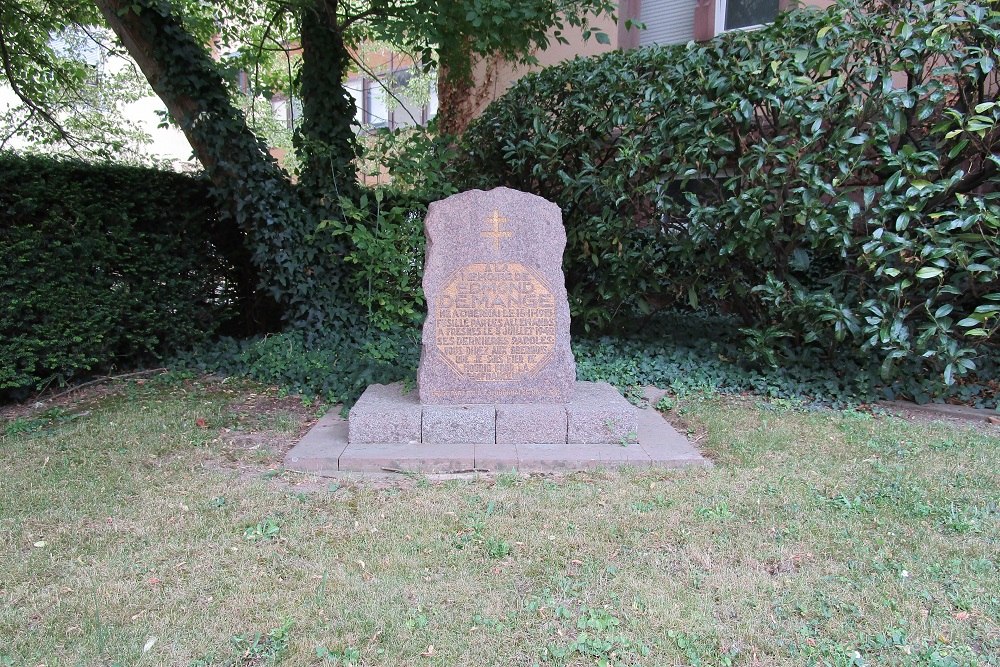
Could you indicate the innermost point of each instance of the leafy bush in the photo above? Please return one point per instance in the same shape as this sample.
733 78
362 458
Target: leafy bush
831 180
681 351
693 352
381 236
336 367
104 266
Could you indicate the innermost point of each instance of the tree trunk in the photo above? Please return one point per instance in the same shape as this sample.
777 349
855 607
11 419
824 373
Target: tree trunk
461 97
325 140
296 269
184 77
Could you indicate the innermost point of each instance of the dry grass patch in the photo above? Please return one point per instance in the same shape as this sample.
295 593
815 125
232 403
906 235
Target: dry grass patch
132 537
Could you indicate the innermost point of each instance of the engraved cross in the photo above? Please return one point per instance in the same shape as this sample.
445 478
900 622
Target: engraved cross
495 233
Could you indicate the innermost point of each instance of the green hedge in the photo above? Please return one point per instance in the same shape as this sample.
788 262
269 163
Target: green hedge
831 180
104 267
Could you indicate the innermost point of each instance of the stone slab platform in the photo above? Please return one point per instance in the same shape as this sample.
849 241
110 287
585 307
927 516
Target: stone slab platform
325 451
596 414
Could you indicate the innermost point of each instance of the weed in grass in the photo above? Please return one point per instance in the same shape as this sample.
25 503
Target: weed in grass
267 529
345 657
52 417
253 650
702 652
320 597
498 626
658 501
507 480
597 637
418 620
960 519
854 504
23 425
497 548
718 512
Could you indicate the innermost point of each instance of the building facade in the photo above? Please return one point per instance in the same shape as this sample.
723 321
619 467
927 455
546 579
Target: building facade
663 21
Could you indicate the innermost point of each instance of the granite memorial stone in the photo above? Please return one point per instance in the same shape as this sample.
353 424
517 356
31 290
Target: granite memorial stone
496 388
497 327
496 368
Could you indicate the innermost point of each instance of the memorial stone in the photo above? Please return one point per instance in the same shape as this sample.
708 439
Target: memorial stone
496 387
497 327
496 368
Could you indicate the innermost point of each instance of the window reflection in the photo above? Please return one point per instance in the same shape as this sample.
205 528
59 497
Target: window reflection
746 13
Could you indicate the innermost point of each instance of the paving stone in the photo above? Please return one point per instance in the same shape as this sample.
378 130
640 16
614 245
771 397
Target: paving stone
420 457
320 448
665 446
461 424
385 414
519 423
496 457
497 327
599 414
548 458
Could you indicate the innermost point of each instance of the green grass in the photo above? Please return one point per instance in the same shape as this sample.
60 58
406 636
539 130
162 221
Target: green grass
818 538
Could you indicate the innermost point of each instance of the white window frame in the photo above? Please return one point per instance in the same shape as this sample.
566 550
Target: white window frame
720 19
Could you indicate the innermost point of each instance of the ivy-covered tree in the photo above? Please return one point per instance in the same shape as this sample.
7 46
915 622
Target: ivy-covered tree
172 42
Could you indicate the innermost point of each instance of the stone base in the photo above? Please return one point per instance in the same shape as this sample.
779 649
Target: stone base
325 451
597 414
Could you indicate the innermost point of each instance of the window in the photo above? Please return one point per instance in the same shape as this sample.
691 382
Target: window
680 21
738 14
356 89
285 113
378 110
375 108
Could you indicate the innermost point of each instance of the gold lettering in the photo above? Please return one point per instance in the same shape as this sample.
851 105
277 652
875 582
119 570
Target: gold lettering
495 322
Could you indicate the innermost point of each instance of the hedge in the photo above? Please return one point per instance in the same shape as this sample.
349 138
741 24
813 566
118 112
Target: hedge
105 267
831 180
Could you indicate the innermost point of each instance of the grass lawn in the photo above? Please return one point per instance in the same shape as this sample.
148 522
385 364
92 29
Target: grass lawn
150 525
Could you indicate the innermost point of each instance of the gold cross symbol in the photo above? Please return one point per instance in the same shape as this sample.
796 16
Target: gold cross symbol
496 233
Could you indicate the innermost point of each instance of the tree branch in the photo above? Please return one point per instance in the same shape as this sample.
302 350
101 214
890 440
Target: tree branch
376 78
8 68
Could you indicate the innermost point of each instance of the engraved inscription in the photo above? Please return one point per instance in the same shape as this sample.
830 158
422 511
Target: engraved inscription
496 322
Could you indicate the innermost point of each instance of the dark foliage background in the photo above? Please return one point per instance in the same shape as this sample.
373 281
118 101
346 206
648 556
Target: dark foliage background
809 210
105 266
829 181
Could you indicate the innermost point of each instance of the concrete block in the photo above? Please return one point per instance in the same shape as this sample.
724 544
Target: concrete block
599 414
665 446
519 423
459 424
417 457
549 458
384 414
320 448
496 457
